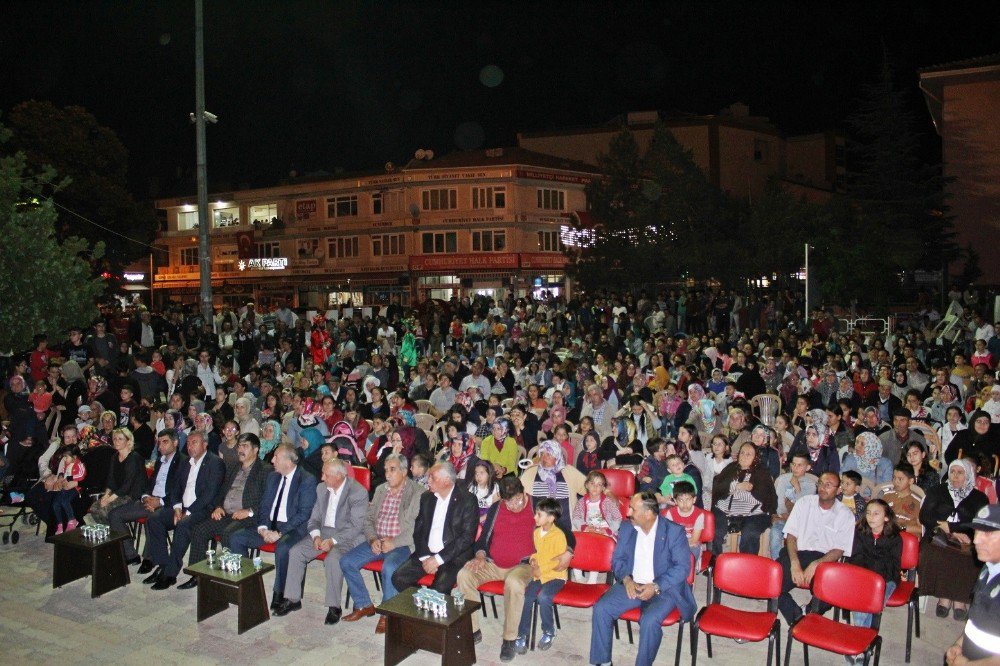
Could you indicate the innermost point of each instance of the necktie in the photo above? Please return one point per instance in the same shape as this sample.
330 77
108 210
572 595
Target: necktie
277 505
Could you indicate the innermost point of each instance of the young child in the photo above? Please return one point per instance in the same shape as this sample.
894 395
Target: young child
40 399
126 406
561 435
418 468
484 487
688 516
550 542
675 465
654 467
905 507
589 459
850 485
71 473
597 511
879 548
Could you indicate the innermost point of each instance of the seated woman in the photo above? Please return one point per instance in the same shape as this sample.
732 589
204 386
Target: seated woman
460 450
597 511
743 493
553 478
925 476
948 568
868 461
500 449
126 478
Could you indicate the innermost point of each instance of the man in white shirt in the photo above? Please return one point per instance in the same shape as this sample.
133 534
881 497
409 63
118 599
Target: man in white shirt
443 397
476 378
190 503
336 525
819 529
442 533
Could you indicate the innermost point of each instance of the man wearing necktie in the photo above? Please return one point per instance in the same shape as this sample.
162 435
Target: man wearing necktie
284 512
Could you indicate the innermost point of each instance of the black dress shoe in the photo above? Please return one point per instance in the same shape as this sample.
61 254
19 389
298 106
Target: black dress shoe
190 584
333 615
477 636
135 560
286 607
152 578
164 583
145 568
276 601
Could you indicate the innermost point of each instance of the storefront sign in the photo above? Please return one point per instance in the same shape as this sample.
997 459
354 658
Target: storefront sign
267 264
134 277
542 260
305 210
488 219
442 262
556 177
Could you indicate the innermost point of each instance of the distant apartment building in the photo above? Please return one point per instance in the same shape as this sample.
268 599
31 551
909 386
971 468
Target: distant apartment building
964 101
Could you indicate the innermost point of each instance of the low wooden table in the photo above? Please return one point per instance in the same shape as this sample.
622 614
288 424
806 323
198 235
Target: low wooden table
409 629
75 557
217 589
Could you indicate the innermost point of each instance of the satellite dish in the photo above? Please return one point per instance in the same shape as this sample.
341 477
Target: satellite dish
389 167
414 211
428 154
419 154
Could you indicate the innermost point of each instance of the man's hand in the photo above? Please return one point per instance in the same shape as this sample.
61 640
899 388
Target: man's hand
562 561
954 656
178 514
388 545
152 503
477 563
376 546
317 543
241 514
219 513
798 576
943 526
430 565
630 588
271 536
646 592
810 572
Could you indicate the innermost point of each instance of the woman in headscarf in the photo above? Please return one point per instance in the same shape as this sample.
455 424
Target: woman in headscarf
242 414
948 567
704 415
500 448
823 456
459 450
845 391
97 391
717 384
900 385
750 382
867 460
743 494
270 437
72 394
205 424
557 416
552 478
978 439
828 388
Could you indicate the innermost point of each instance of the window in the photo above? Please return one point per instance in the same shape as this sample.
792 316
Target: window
342 247
189 256
226 217
268 250
489 197
264 214
489 241
550 241
377 203
342 206
440 243
761 149
388 244
439 199
552 199
187 220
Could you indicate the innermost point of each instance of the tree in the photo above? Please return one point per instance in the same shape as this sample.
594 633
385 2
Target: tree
777 227
48 286
71 141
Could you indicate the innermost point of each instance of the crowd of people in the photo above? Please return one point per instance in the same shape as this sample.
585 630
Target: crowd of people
421 438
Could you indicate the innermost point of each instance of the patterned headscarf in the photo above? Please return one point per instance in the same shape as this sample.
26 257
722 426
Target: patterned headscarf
696 393
504 424
959 494
549 474
468 448
870 453
820 423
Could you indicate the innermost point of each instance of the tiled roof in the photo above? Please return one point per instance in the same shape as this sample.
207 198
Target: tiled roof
968 63
499 157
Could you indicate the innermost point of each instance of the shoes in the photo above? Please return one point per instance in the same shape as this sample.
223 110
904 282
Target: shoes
380 627
286 607
164 583
545 642
477 636
359 613
332 615
941 611
135 560
72 525
145 568
152 578
59 530
507 651
276 601
521 645
190 584
960 614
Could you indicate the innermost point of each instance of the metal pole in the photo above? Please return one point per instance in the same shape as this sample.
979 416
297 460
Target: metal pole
806 313
204 255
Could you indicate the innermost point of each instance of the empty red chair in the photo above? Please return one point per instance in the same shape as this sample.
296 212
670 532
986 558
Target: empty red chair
670 620
906 592
362 475
621 482
850 588
751 577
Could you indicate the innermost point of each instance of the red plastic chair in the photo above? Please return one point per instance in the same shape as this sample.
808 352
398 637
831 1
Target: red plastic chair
593 553
906 592
674 617
362 475
621 482
751 577
850 588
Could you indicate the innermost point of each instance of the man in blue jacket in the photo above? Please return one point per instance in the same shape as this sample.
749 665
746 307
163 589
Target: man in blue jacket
652 560
284 512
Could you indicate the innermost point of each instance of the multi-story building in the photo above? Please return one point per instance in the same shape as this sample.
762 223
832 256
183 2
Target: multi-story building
484 221
964 101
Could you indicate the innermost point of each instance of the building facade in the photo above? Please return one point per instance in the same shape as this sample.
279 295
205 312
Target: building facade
487 222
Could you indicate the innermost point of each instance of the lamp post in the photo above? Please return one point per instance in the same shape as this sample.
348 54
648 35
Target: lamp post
204 254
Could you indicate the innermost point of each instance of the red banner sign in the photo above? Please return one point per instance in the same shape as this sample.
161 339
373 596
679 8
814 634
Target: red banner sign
448 262
244 245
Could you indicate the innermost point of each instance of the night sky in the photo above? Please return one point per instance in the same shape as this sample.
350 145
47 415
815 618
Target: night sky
339 85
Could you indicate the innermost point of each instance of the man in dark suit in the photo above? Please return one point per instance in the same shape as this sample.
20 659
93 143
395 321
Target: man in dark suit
235 504
198 484
442 534
884 401
281 519
158 488
652 560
